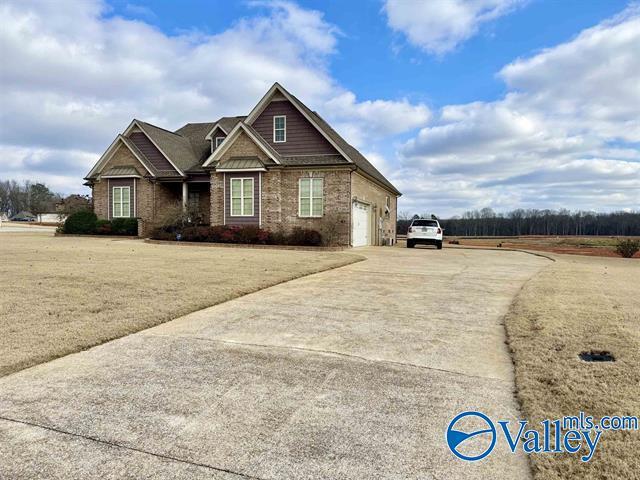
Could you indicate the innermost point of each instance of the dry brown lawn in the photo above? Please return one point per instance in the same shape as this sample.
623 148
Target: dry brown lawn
598 246
579 304
60 295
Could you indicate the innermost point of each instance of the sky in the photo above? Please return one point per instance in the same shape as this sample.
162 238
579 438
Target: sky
461 104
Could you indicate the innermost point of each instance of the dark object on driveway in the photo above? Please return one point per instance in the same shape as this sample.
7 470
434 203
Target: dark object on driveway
23 216
597 356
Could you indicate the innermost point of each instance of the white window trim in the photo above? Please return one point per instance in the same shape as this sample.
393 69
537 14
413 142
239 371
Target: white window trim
113 201
284 128
311 215
242 197
221 139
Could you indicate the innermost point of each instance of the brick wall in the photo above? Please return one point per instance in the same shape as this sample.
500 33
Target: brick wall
151 199
281 208
369 192
217 198
243 146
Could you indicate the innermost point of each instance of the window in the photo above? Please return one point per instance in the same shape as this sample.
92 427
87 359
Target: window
387 206
279 129
121 203
194 201
310 197
242 197
219 140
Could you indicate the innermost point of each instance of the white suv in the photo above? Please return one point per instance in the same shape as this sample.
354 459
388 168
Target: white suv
426 232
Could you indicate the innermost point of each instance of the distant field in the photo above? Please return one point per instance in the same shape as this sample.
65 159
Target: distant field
591 246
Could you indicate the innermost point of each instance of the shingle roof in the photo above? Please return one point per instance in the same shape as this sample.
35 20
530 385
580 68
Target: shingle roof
196 133
120 172
187 147
315 160
141 156
227 123
239 163
176 147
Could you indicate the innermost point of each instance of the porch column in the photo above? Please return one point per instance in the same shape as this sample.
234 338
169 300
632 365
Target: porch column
185 196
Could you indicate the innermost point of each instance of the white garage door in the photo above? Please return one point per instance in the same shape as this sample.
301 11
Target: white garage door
360 219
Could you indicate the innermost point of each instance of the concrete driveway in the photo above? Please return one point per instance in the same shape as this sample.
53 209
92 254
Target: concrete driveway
352 373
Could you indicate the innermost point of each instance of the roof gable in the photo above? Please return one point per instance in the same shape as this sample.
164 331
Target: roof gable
239 129
302 138
175 148
278 89
119 142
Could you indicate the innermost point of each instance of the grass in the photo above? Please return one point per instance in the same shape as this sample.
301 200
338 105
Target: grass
579 304
62 295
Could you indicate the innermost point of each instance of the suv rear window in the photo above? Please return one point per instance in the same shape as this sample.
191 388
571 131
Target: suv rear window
424 223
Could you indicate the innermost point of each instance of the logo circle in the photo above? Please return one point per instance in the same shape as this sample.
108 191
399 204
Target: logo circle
456 437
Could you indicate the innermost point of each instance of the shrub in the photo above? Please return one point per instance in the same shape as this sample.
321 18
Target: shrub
235 234
81 222
124 226
103 227
252 234
304 237
161 234
628 248
196 234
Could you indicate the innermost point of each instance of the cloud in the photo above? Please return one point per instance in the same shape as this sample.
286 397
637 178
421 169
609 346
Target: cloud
74 75
438 27
565 135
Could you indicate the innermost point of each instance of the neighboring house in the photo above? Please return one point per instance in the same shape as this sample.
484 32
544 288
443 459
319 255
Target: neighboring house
279 167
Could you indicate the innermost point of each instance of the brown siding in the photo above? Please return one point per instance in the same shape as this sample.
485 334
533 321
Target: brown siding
302 137
253 220
150 151
217 133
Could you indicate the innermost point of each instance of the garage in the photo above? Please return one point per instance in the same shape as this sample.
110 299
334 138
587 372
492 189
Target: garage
360 224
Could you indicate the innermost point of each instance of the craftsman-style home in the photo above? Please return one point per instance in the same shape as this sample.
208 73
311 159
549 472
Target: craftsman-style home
278 167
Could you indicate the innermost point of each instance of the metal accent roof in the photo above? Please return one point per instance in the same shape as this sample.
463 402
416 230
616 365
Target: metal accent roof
240 163
121 172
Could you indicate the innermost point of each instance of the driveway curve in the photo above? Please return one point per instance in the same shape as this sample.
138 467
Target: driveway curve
350 373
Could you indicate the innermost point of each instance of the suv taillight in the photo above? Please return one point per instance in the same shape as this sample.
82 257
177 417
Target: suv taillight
439 230
410 230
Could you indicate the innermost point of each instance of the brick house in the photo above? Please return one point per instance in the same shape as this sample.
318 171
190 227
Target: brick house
278 167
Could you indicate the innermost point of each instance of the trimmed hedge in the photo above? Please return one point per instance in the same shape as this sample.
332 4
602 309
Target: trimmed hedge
86 223
82 222
235 234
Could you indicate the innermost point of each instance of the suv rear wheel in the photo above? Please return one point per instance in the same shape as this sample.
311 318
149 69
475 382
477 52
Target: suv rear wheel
439 245
410 244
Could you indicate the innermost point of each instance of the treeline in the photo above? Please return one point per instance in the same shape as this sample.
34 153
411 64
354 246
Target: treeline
36 198
486 222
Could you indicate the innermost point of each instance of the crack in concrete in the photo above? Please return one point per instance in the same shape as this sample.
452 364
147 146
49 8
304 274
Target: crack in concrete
324 352
133 449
